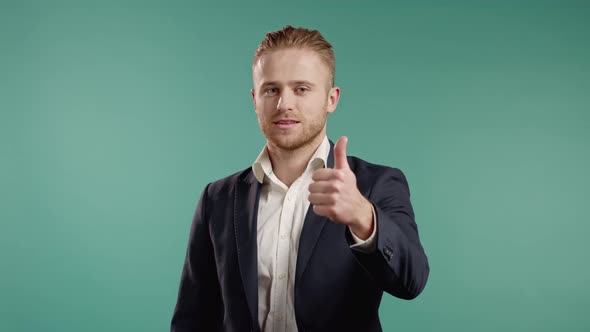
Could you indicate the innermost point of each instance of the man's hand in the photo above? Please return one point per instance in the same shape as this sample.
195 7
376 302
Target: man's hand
334 194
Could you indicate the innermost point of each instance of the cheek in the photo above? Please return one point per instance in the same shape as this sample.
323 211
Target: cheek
314 106
261 116
264 115
267 106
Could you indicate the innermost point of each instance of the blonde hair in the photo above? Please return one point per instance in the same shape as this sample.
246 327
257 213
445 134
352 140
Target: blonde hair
290 37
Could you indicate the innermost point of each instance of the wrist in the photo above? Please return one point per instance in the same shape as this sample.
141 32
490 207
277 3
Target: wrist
363 226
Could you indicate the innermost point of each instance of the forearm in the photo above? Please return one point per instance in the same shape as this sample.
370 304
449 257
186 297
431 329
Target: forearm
398 263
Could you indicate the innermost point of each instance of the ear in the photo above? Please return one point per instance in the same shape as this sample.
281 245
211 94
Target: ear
253 93
333 98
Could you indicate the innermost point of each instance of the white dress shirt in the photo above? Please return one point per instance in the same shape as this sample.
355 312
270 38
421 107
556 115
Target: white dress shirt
281 213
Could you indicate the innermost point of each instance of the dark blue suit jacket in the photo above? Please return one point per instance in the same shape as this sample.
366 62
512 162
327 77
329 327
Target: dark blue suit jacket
336 288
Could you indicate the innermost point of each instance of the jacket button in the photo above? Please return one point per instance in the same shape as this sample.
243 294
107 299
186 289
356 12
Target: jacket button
387 252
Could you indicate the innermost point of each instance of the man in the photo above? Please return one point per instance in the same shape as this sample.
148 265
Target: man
307 239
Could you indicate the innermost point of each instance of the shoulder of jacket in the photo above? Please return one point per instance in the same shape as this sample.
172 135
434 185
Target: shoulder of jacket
226 183
362 166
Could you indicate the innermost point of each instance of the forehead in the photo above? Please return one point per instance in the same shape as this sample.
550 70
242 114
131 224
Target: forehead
290 65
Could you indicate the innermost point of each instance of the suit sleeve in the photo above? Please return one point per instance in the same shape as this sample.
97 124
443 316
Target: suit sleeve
199 306
369 244
398 264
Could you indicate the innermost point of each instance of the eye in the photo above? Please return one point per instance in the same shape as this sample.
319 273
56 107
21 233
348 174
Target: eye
302 89
270 91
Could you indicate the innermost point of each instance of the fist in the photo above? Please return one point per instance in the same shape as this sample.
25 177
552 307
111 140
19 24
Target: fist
334 194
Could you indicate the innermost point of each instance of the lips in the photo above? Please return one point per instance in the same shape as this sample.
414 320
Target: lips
286 123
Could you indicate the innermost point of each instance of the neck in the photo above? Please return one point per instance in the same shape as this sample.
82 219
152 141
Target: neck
288 165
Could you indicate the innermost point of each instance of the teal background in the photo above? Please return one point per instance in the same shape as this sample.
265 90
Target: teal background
115 115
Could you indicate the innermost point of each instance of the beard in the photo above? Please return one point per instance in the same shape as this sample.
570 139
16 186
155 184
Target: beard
308 130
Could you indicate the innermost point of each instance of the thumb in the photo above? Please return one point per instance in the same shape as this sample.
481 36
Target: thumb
340 161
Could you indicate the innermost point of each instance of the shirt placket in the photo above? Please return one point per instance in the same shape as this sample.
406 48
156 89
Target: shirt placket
283 255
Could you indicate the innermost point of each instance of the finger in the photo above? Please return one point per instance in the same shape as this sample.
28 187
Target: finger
340 161
320 187
323 210
321 199
326 174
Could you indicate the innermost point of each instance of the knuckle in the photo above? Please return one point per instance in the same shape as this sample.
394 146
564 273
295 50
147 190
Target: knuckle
336 186
332 198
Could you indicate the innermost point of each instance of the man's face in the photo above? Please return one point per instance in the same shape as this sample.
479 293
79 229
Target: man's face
292 97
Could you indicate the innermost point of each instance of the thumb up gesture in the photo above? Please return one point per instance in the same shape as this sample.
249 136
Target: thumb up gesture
334 194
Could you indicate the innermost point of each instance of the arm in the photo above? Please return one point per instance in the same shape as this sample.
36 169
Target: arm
199 306
369 244
398 263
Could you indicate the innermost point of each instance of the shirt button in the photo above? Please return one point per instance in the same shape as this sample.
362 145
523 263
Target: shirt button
284 236
278 317
282 276
289 198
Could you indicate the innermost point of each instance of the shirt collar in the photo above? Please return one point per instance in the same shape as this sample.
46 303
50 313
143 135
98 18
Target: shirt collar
262 166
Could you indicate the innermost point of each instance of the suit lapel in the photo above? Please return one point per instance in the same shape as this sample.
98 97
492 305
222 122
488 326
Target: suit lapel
246 199
245 224
312 227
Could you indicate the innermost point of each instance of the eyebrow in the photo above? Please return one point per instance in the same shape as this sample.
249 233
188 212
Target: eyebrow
291 83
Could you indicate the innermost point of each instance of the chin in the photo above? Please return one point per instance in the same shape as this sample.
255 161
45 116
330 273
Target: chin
291 143
294 140
285 143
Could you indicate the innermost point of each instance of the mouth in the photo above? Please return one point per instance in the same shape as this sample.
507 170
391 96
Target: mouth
285 124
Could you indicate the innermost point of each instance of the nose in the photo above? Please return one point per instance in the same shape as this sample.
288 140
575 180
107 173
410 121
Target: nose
286 101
